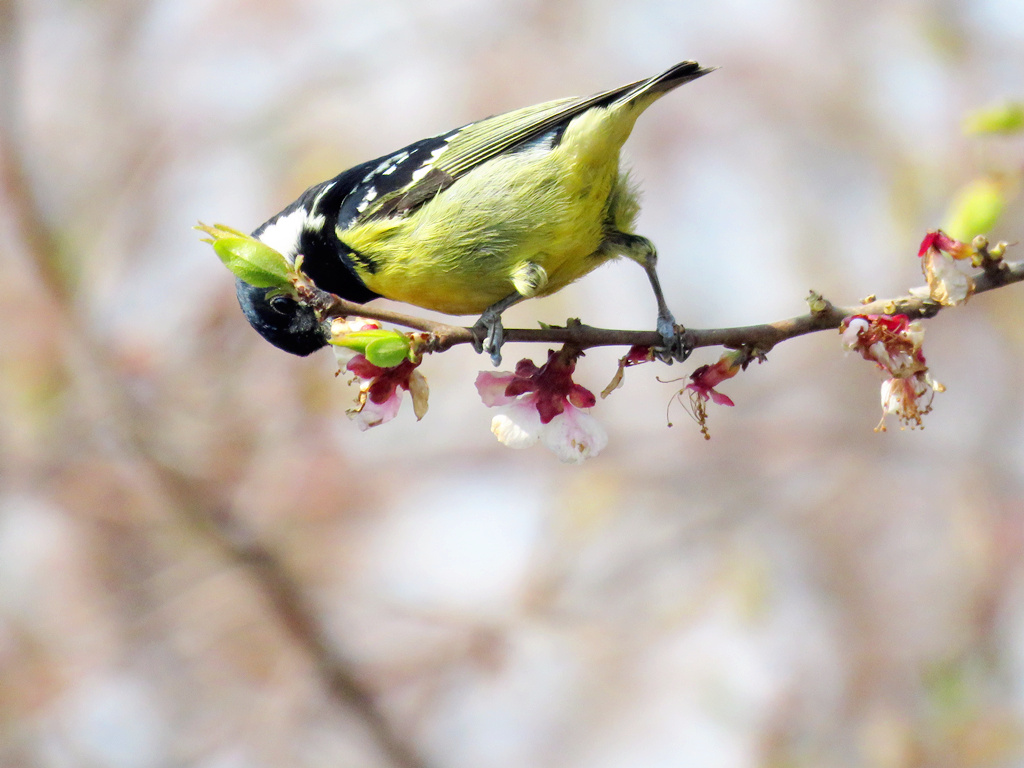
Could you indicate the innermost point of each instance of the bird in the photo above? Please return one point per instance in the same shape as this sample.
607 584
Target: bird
473 220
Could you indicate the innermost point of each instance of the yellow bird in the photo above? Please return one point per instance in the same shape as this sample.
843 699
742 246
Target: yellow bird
474 220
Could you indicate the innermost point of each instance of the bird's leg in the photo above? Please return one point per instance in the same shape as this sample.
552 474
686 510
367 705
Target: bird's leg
642 251
488 332
528 278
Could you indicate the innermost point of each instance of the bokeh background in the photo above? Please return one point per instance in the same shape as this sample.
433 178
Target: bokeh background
203 562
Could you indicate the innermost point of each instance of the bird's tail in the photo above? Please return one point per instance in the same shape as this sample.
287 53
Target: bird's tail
653 87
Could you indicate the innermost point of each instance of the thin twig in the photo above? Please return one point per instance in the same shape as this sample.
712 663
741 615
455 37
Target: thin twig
758 337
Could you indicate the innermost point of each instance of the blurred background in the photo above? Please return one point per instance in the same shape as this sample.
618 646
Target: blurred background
204 563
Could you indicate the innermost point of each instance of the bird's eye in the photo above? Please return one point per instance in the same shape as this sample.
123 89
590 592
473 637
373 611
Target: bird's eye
282 305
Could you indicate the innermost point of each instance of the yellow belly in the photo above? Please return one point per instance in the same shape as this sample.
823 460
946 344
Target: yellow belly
459 291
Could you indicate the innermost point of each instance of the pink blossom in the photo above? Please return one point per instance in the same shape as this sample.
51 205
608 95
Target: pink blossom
707 377
939 241
702 387
908 399
380 391
543 405
939 255
341 326
893 343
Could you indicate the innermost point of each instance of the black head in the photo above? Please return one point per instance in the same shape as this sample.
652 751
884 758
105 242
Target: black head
282 321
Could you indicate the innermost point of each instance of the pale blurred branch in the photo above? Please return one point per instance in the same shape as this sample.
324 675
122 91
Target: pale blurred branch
91 365
20 202
293 610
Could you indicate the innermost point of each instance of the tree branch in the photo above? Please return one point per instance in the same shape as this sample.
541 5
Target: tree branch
761 338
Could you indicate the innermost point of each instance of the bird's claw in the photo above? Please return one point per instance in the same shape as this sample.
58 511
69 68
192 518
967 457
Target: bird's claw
674 347
489 336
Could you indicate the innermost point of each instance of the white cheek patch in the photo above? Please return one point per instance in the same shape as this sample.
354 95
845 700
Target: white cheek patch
283 234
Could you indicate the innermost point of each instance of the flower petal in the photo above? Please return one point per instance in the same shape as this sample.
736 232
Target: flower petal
517 425
363 368
855 326
937 240
581 397
371 414
719 398
344 356
574 436
948 285
492 386
420 392
908 398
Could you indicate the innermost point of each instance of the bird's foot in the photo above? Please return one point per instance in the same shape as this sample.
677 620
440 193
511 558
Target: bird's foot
674 346
489 336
